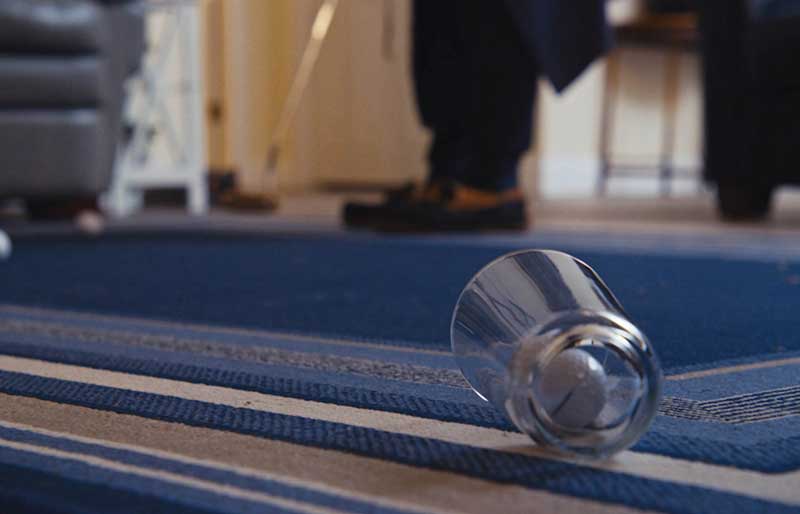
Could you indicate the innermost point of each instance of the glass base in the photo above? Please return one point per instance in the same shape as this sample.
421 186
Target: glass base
586 384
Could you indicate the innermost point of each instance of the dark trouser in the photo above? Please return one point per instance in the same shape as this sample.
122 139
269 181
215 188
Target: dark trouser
752 91
729 104
476 87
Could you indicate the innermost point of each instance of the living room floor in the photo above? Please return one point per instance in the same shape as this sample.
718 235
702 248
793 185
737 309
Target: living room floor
695 214
319 211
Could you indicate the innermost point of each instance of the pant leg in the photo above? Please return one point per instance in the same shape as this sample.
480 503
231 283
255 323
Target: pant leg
441 74
476 86
729 117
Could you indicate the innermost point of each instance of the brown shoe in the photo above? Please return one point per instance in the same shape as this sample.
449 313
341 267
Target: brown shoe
450 207
395 202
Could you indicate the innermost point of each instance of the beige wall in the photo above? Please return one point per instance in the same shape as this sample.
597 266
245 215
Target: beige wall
363 105
256 57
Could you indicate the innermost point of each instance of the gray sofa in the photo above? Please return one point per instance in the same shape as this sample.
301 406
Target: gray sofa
62 68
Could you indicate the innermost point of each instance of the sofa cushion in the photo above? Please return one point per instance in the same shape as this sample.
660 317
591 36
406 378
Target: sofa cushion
67 152
52 26
34 81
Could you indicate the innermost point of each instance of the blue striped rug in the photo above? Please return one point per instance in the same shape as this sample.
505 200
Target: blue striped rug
212 373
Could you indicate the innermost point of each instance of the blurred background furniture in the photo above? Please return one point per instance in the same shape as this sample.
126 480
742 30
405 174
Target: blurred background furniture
62 68
166 108
667 27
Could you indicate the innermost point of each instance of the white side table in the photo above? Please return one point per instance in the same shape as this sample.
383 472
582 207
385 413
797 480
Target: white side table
167 147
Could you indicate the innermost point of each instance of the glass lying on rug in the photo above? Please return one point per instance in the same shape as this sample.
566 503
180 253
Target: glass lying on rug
539 335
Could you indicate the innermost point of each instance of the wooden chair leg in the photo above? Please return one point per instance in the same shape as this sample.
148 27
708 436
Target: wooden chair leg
672 75
610 91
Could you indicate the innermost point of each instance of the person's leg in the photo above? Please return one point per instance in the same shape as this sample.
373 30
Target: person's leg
732 121
476 86
503 96
441 78
728 100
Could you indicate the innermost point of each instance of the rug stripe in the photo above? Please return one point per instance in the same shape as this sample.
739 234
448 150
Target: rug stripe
27 491
459 406
383 346
443 372
784 456
191 468
378 350
760 363
451 405
410 434
382 482
436 383
90 321
88 354
48 461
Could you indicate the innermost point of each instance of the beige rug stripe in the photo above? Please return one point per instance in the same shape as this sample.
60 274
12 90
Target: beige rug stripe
380 482
770 487
735 369
165 476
